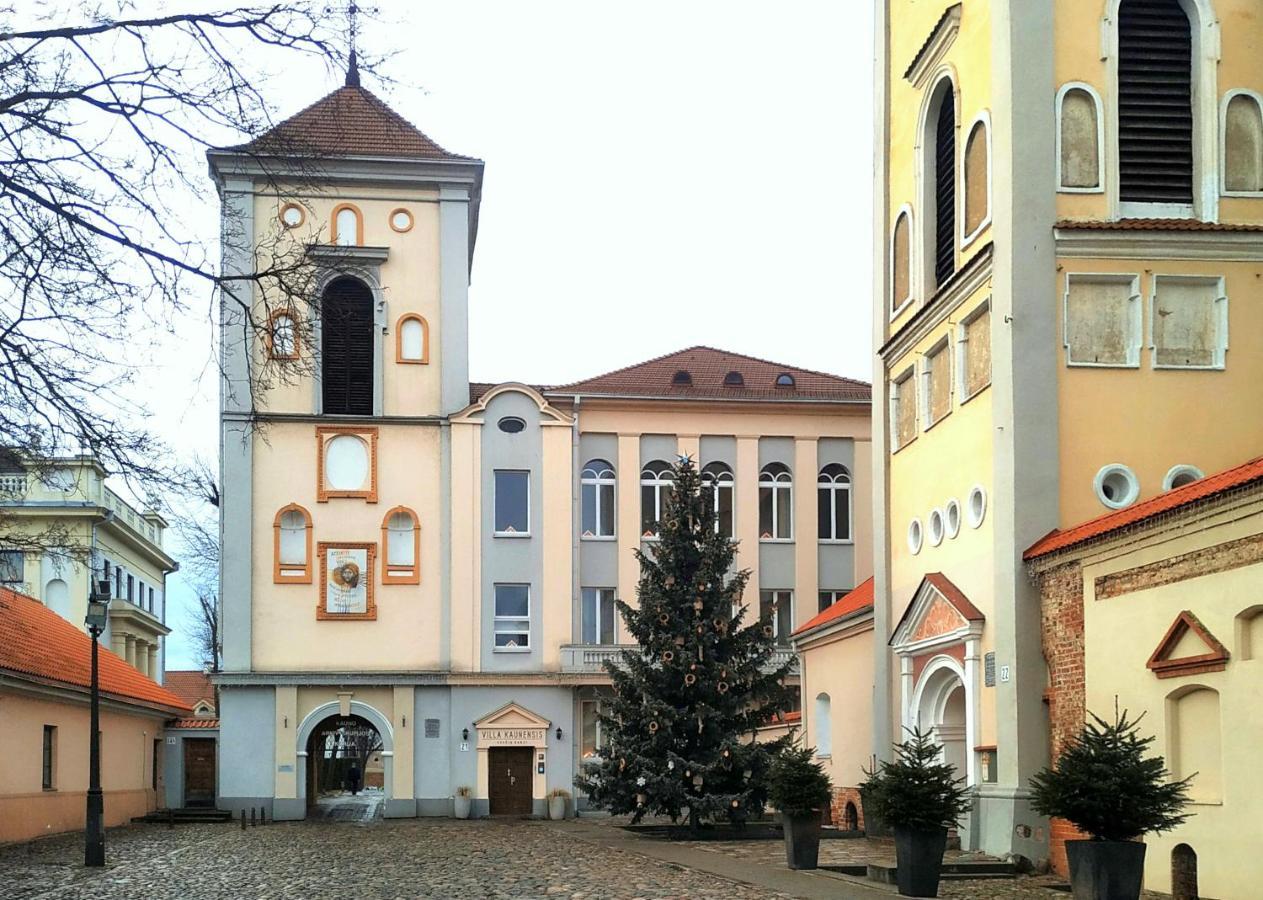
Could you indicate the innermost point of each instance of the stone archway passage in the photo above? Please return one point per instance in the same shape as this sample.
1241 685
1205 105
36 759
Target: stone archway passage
340 753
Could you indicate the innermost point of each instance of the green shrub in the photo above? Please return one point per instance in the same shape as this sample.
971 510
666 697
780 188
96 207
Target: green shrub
797 784
917 790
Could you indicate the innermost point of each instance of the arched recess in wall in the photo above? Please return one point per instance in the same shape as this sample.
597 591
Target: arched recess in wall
901 261
940 115
348 225
1194 740
1242 143
291 545
1080 139
412 340
57 597
401 540
975 179
823 725
1249 633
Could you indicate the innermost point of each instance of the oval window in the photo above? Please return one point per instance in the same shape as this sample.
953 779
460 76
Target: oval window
511 424
951 518
936 527
977 506
346 463
914 536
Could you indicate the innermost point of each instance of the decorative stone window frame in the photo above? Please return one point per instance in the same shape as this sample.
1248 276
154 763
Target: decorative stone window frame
983 118
1221 315
1228 97
390 219
365 264
286 207
303 575
898 306
424 359
926 408
976 506
1204 30
1137 336
359 224
1168 480
1101 176
292 315
916 536
326 433
392 574
370 599
1129 476
905 380
923 271
962 347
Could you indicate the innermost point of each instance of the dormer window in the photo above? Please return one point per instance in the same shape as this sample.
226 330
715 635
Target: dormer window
682 377
784 380
734 379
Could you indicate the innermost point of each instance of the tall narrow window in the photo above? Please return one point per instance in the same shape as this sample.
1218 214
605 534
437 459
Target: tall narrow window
977 187
776 491
50 758
901 262
937 381
833 497
292 546
283 340
1080 150
597 487
656 482
973 360
823 726
599 615
401 533
12 567
512 618
1155 110
512 503
348 226
903 409
1243 145
718 480
412 340
591 740
346 348
945 186
776 611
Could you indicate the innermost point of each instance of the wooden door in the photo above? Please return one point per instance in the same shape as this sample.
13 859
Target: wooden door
199 772
509 779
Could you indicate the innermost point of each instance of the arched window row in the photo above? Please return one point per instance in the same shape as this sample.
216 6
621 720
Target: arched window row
596 485
833 503
292 546
718 480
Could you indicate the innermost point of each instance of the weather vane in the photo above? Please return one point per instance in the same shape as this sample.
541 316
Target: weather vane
352 10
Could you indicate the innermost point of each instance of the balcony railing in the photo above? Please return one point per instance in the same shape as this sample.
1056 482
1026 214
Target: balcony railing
127 513
590 658
12 486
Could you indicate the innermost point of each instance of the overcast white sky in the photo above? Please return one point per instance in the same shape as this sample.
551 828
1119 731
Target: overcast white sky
658 174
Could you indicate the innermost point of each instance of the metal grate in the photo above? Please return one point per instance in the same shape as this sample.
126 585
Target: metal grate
1155 110
945 190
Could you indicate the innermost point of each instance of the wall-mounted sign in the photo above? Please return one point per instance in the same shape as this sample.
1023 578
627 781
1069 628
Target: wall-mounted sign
431 728
511 736
346 581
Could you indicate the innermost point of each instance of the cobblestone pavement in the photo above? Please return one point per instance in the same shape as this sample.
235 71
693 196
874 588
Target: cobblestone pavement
387 859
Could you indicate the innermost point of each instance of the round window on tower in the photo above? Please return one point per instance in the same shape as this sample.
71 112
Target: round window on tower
951 517
292 215
976 505
1116 486
401 220
915 536
936 527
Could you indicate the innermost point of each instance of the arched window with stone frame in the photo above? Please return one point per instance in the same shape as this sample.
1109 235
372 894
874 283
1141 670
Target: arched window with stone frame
291 537
719 483
1080 139
401 540
1242 143
597 484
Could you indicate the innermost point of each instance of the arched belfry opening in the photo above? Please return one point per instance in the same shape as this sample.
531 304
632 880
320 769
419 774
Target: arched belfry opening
346 348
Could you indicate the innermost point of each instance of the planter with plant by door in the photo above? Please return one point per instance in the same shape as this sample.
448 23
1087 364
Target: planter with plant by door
557 798
799 788
463 802
919 797
1107 787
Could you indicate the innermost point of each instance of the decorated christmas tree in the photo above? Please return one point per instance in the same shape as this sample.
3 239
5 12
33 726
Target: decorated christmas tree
680 726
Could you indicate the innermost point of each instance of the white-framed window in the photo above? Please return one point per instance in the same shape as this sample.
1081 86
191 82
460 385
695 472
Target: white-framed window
717 478
833 503
901 261
656 483
1101 320
973 352
976 506
512 503
1116 486
916 536
936 527
512 618
776 503
936 378
1180 475
828 598
938 195
951 517
599 615
1241 143
596 484
1188 322
591 740
776 610
823 725
1080 139
12 567
975 180
903 409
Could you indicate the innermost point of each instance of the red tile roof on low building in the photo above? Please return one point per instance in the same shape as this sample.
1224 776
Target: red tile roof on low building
1154 225
37 643
708 372
856 600
1192 493
205 722
351 121
191 686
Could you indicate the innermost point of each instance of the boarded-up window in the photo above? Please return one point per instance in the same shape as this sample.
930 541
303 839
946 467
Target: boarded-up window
976 187
1102 320
905 410
976 359
1194 738
1243 145
1080 140
899 255
1189 327
938 383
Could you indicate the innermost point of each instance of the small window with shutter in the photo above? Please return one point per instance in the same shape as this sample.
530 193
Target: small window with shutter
944 162
346 348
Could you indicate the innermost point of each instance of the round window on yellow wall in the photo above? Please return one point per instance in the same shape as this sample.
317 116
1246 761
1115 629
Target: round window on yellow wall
401 220
292 215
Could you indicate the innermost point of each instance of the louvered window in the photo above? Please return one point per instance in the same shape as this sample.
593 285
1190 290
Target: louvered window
346 348
945 189
1155 112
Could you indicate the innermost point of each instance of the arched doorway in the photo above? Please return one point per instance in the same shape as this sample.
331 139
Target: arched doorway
940 711
345 762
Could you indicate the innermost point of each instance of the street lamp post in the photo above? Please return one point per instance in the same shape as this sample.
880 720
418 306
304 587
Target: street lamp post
94 849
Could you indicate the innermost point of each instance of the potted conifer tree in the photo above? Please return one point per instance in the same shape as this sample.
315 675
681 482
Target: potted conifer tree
799 788
919 796
1107 787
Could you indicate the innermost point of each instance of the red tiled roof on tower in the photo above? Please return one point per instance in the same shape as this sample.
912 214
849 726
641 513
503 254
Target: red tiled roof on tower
37 643
351 121
705 373
860 598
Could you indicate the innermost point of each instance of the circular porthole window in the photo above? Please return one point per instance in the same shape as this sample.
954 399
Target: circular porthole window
935 526
915 536
292 215
1180 475
1116 486
401 220
511 424
976 505
951 517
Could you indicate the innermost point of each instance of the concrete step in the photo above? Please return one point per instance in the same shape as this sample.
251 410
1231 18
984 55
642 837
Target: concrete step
884 872
189 816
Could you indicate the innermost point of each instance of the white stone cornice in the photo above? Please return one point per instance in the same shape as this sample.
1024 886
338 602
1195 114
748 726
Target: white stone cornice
1109 243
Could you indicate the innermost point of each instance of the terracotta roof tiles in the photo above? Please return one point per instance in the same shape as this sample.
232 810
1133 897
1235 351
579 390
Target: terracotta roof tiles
1154 225
205 722
856 600
190 686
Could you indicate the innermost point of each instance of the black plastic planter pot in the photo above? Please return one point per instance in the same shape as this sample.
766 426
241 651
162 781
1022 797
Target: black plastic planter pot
1106 870
919 860
802 840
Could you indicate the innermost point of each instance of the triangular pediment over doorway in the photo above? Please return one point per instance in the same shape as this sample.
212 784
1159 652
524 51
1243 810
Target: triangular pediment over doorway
939 613
511 716
1187 649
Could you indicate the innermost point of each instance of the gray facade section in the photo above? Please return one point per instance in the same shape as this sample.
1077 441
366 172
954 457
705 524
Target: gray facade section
454 270
718 448
432 780
781 450
247 747
656 446
598 559
512 560
835 562
173 762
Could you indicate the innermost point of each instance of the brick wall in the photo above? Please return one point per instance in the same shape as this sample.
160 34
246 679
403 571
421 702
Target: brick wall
1244 551
841 797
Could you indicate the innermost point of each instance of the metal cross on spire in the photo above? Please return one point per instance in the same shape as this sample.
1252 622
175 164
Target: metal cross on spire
351 10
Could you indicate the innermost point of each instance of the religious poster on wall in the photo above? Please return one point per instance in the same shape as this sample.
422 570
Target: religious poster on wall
346 582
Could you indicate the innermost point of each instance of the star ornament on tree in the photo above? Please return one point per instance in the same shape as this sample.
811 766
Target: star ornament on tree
690 697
